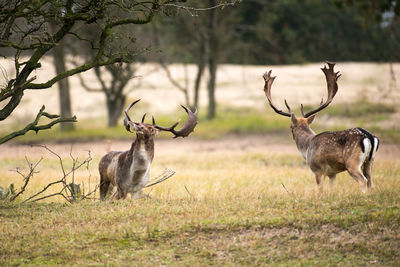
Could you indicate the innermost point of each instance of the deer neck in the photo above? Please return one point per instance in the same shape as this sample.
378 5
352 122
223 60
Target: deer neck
302 136
143 148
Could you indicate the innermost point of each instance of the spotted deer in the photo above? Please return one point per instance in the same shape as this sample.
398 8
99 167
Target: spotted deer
330 153
129 170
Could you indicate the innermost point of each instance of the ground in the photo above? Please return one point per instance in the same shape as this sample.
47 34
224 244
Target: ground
240 200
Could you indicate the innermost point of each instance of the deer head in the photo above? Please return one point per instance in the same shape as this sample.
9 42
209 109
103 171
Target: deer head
307 119
145 130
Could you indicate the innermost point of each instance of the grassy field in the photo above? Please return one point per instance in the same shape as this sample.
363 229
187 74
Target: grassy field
236 201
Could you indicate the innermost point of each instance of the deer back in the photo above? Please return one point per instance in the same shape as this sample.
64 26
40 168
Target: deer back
338 150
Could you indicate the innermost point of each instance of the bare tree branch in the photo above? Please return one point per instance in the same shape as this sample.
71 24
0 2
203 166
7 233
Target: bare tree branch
27 177
183 89
33 126
193 10
70 191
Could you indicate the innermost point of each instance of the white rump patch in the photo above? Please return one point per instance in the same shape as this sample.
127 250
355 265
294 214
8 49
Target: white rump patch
367 150
376 143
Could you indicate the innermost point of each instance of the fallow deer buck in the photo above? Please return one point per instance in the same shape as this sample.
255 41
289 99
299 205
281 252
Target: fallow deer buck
329 153
129 170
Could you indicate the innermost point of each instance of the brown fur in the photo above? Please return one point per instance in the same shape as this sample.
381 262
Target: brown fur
330 153
115 166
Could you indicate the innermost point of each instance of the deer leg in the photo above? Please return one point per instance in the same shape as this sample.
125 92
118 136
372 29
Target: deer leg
319 177
359 177
367 169
118 194
137 195
332 182
103 188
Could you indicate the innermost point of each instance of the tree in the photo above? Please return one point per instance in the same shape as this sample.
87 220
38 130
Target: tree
385 13
24 32
63 85
114 90
198 35
213 47
373 10
112 80
177 35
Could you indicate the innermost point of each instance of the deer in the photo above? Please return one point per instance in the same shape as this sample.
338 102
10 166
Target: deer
331 152
129 170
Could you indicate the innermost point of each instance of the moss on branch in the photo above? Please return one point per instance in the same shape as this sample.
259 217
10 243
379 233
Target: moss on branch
33 126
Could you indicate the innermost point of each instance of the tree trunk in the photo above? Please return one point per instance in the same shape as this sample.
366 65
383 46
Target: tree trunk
115 105
212 59
63 85
200 70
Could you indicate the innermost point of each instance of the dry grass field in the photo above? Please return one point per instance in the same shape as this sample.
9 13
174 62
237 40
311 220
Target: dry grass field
237 201
244 197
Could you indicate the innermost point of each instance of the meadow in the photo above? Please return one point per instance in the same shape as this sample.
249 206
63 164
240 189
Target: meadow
241 195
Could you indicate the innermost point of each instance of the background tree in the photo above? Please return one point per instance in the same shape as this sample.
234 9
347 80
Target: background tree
190 46
113 79
385 13
63 85
201 36
269 32
114 89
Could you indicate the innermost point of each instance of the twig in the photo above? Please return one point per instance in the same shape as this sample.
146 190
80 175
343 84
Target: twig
166 174
187 190
70 191
26 177
285 188
192 10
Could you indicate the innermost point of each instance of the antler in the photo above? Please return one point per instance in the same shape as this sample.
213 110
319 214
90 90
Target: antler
331 80
267 89
127 120
187 128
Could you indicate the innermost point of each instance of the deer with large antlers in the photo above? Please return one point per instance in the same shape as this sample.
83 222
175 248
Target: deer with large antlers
330 153
129 170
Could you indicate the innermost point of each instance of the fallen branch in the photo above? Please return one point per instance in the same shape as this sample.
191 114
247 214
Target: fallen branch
166 174
70 191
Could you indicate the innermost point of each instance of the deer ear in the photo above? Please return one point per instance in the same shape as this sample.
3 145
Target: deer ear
311 119
293 118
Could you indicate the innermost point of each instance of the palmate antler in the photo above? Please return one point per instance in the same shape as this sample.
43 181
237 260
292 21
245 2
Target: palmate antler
187 128
267 89
331 80
128 123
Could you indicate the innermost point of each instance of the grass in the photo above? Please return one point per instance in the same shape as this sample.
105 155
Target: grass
224 207
231 202
234 121
360 108
228 121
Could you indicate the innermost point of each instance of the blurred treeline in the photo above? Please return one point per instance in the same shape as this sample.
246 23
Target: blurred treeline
275 32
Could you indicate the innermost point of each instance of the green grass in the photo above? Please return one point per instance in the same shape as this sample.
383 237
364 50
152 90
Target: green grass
230 121
361 108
